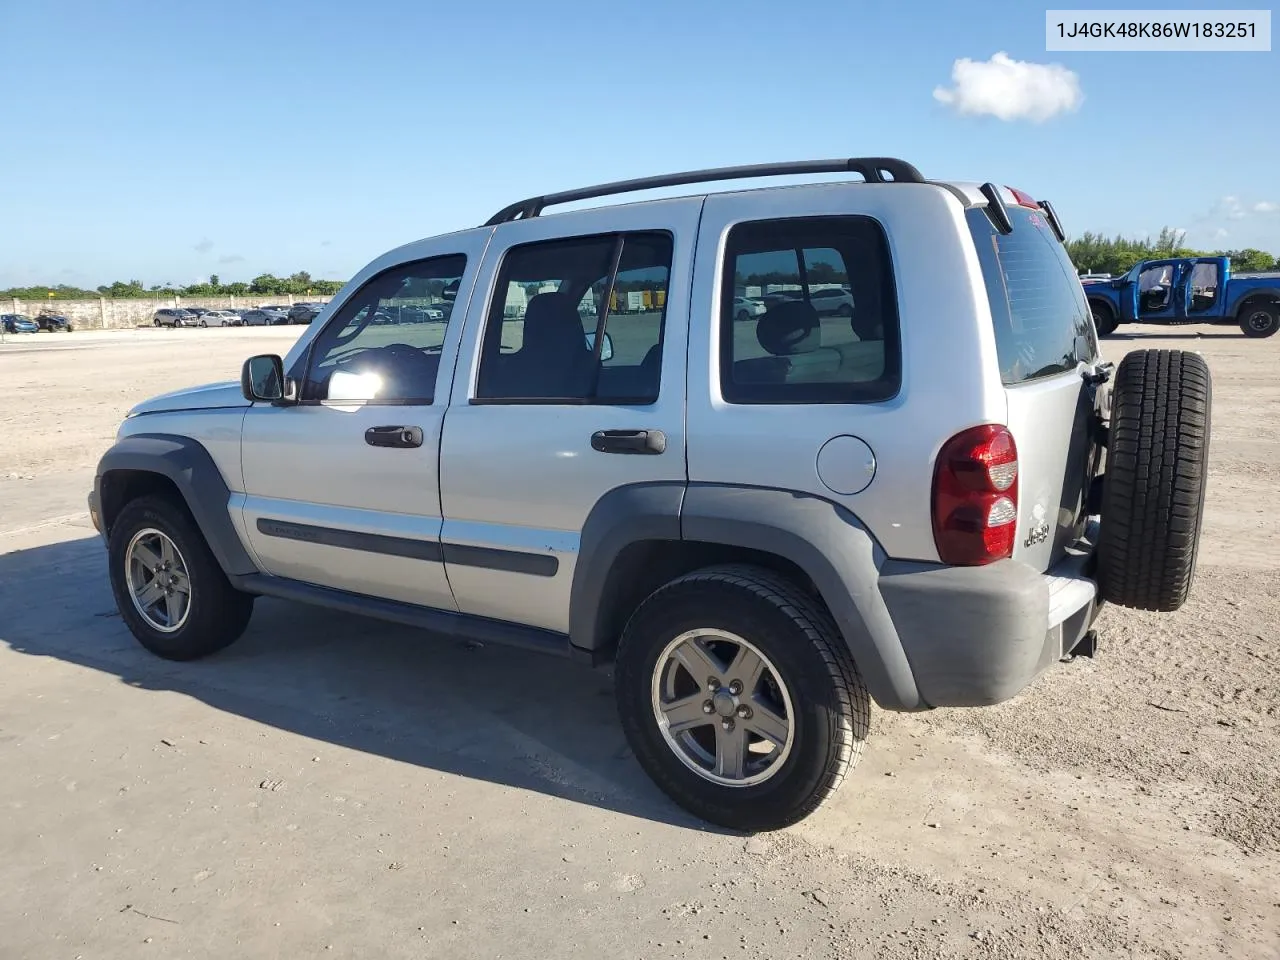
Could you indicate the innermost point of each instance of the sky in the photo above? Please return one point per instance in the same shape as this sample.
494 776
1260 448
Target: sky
169 141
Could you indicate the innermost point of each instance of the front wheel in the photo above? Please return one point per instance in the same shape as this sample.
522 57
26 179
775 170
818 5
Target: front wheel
168 586
739 698
845 311
204 325
1259 320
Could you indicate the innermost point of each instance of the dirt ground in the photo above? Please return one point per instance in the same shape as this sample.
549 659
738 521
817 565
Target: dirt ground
331 786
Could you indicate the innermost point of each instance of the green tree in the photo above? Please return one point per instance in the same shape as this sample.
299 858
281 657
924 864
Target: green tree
1250 260
266 283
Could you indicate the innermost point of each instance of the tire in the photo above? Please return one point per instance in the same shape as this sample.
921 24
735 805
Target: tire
217 613
845 311
204 325
1157 469
1104 319
1259 319
830 709
742 316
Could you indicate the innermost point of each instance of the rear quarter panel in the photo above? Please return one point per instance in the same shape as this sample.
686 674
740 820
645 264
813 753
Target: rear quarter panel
950 373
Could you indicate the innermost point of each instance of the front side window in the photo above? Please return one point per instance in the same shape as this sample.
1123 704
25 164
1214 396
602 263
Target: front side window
829 330
384 345
578 320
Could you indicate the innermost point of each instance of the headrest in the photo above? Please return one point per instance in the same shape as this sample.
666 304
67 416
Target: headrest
789 328
553 317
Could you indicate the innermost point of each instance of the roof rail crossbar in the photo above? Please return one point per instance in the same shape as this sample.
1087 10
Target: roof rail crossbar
873 170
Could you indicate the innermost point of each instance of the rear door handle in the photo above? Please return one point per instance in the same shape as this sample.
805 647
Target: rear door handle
395 436
629 441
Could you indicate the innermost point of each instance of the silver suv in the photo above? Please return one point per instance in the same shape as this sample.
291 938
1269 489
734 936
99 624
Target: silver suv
762 525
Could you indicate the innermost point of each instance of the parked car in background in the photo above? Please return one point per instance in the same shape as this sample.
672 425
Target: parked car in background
220 318
198 311
54 323
832 302
1186 290
277 307
304 312
174 317
263 317
771 300
747 308
17 323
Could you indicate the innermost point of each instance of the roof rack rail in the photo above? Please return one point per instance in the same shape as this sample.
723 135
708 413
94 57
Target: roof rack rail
873 170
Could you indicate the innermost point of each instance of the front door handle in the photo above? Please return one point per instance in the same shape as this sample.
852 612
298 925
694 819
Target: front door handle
629 441
401 437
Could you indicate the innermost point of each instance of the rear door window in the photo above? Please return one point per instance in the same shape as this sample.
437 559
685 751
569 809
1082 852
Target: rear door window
1041 316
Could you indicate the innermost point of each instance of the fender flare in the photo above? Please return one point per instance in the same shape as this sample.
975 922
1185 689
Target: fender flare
823 539
188 465
1265 293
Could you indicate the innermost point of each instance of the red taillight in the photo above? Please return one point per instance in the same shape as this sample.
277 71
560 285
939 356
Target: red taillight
1024 199
975 496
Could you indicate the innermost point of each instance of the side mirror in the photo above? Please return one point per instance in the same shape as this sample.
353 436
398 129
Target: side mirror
262 378
606 348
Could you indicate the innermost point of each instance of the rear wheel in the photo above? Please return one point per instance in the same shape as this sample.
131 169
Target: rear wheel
1157 469
168 586
1104 319
739 698
1259 319
845 310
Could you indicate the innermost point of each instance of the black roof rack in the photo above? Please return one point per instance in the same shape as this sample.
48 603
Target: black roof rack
873 170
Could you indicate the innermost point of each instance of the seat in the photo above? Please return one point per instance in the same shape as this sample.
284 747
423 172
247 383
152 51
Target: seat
553 359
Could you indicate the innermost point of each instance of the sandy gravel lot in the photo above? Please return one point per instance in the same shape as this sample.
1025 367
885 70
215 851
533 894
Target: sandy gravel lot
336 787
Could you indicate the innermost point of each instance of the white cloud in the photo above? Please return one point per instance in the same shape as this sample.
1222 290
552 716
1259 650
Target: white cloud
1220 234
1011 89
1265 206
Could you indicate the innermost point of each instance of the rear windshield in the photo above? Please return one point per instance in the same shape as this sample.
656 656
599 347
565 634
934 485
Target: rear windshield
1038 307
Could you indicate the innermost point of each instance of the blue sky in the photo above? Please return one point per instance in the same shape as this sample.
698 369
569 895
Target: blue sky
168 141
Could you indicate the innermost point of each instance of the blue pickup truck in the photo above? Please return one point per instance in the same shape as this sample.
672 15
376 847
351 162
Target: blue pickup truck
1186 290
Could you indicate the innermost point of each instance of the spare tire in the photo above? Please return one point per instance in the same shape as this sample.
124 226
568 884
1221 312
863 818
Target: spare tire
1157 467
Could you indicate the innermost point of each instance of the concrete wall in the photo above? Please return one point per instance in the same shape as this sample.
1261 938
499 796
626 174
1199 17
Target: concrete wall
104 314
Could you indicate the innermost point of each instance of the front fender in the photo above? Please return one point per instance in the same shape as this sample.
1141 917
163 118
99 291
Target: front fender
190 468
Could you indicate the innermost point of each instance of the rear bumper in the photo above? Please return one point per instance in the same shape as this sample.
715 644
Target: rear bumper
975 636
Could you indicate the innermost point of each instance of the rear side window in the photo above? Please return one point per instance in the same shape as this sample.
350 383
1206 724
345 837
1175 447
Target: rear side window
1038 307
825 328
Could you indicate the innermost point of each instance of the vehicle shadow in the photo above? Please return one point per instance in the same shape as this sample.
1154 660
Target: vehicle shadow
508 716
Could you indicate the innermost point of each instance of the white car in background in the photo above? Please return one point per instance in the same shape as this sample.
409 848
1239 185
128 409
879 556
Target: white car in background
220 318
745 308
832 301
